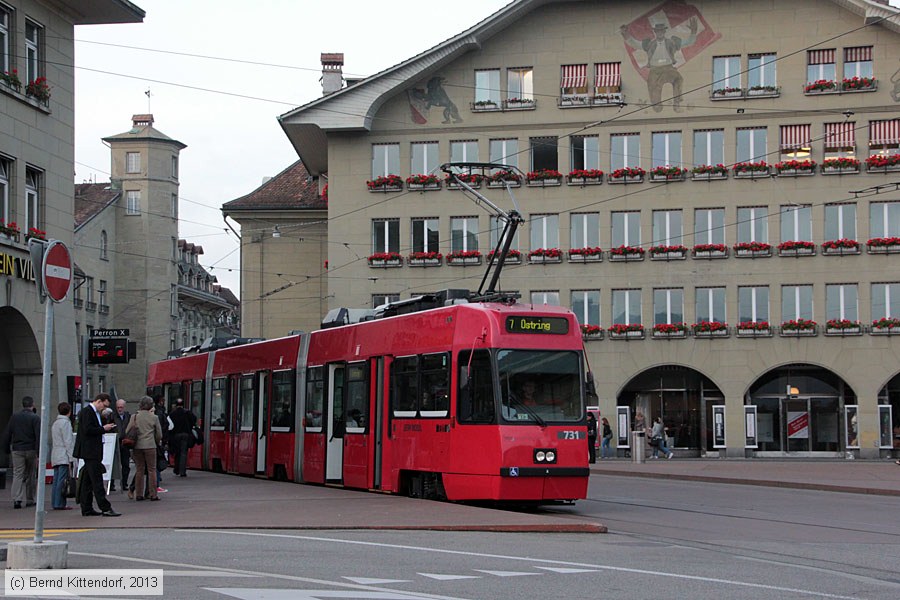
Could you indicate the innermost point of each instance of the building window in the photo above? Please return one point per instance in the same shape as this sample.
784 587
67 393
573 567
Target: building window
425 157
174 167
626 228
381 299
726 72
586 306
32 199
33 41
104 245
585 152
544 154
385 160
101 294
626 307
753 224
625 150
796 302
519 84
761 70
840 139
666 149
607 78
544 231
133 202
385 235
709 147
751 144
584 230
505 152
487 86
840 221
425 235
820 65
89 290
667 228
573 81
497 225
174 206
463 234
796 142
464 151
796 223
668 306
884 137
884 219
858 62
5 168
5 26
709 226
549 298
885 301
710 305
842 302
173 301
753 304
132 162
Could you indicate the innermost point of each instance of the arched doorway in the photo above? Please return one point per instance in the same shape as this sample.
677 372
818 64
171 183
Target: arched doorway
683 397
20 366
889 417
800 411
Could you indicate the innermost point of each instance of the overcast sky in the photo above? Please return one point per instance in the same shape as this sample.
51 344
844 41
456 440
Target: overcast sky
224 109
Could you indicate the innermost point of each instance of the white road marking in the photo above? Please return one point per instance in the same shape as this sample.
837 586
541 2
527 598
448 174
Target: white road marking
506 573
275 594
441 577
374 580
567 570
198 573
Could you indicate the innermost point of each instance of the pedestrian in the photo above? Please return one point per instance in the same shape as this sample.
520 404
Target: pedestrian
592 437
121 419
605 450
639 423
20 441
62 442
159 408
148 438
658 439
89 448
181 435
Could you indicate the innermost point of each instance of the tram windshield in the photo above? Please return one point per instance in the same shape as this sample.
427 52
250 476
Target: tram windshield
538 386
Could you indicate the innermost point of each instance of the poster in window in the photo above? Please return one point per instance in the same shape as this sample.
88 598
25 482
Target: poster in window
718 414
623 423
750 431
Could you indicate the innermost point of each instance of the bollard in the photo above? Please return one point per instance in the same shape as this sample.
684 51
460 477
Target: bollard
637 446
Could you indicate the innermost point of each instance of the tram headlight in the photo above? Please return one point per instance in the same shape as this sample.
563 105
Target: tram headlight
544 456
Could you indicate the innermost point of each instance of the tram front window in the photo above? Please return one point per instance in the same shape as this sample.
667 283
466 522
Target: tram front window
540 386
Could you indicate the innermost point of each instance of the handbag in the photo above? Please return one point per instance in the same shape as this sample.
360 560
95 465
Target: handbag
162 459
197 434
131 434
654 441
71 490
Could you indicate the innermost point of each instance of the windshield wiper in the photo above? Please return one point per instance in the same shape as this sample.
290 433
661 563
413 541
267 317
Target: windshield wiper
528 410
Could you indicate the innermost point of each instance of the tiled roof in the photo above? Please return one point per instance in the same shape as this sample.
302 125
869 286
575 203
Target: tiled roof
91 198
292 188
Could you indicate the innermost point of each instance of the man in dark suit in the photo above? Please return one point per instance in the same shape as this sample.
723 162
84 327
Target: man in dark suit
21 440
121 418
89 448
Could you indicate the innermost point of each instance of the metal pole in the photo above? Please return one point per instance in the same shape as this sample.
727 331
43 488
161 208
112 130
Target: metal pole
45 424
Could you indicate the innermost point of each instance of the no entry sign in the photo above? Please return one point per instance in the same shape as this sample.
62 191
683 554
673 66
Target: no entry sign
57 271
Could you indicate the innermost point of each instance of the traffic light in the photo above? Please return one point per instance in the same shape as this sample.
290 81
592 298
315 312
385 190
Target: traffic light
108 351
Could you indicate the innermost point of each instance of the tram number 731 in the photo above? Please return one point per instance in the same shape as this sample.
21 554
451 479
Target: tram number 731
567 434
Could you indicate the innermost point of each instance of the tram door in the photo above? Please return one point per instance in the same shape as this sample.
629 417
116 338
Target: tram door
241 439
261 428
334 434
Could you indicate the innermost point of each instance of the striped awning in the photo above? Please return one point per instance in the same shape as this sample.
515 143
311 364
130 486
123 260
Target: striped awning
840 135
573 76
820 57
795 136
858 54
884 132
608 74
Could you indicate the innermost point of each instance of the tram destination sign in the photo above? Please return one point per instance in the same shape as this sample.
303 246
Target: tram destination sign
110 333
532 324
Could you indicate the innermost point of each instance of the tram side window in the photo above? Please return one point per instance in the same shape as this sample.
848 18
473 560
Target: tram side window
475 400
404 386
435 385
282 413
172 393
357 401
248 402
196 405
315 398
218 403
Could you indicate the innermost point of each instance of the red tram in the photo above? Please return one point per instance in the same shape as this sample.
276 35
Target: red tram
471 401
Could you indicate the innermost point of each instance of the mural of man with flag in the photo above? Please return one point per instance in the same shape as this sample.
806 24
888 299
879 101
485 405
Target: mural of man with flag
668 37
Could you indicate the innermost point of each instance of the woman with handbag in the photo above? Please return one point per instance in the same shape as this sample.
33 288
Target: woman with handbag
63 443
658 439
149 436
